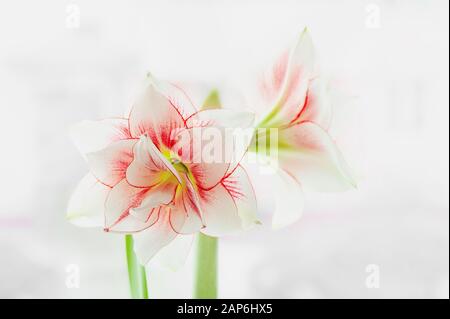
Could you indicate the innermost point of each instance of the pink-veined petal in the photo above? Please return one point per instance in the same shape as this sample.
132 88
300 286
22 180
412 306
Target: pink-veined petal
220 212
239 186
109 165
208 175
155 115
202 151
131 224
92 136
309 154
288 200
176 94
159 195
186 215
318 105
149 167
86 205
148 242
183 223
289 81
120 200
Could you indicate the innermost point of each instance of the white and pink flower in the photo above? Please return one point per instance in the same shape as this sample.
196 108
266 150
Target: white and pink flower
293 99
140 183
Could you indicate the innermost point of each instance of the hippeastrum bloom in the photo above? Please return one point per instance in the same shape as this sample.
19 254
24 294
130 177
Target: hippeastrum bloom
296 105
142 182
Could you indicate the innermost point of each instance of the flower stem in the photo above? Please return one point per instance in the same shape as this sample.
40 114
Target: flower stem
136 272
206 268
206 263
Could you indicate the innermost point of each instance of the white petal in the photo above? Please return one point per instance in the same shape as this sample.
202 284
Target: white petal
155 115
288 200
290 80
109 164
176 94
92 136
310 155
240 187
148 242
160 195
208 175
318 105
120 200
131 224
220 213
174 255
183 223
86 206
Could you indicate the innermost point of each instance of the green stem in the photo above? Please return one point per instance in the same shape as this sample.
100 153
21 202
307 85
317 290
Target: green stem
206 268
205 285
136 272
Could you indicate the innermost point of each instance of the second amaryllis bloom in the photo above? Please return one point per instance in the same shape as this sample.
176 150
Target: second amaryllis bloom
141 183
294 104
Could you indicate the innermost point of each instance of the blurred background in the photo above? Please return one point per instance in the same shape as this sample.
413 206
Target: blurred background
66 61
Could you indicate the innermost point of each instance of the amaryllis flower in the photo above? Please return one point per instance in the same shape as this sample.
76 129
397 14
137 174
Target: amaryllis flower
140 182
293 99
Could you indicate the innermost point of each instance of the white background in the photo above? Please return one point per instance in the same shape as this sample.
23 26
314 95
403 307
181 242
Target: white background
391 57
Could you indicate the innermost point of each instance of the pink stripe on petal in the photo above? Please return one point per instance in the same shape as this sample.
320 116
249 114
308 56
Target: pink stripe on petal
148 165
295 76
220 213
240 188
109 165
160 195
120 200
155 115
317 106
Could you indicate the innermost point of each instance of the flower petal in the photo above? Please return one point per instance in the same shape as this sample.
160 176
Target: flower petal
239 186
288 200
317 106
149 167
155 115
176 94
92 136
186 215
160 195
289 82
183 223
208 175
120 200
109 164
86 206
174 255
220 212
201 149
309 154
130 224
148 242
